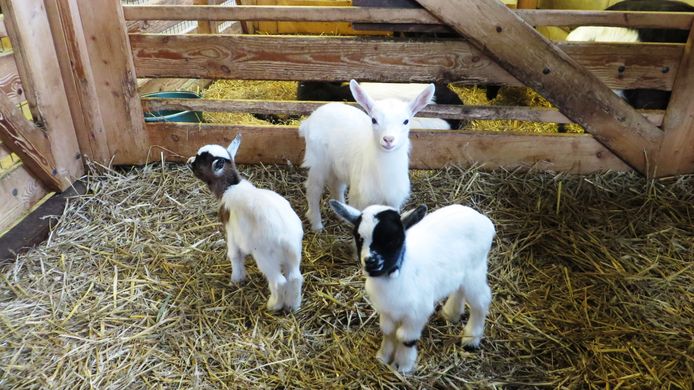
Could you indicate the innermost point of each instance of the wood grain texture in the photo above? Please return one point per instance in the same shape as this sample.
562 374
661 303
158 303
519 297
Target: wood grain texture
401 15
544 67
30 143
532 114
677 149
431 149
4 152
19 192
114 78
10 83
75 65
339 58
43 84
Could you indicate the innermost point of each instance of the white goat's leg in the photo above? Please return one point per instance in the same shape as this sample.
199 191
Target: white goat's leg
277 283
238 268
337 189
478 297
454 307
292 293
407 336
385 353
314 189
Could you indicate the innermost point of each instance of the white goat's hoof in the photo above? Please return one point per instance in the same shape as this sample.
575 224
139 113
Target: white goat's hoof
238 278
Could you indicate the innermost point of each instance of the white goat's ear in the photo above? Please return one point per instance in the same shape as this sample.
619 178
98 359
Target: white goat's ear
422 99
234 146
346 212
218 166
411 217
361 97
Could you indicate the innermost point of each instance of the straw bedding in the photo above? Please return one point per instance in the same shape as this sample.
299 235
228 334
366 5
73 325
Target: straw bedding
592 279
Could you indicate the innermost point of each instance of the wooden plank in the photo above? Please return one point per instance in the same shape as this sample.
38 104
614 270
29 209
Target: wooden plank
19 192
29 143
677 149
43 85
531 4
672 20
431 149
158 85
532 114
3 29
35 227
4 152
70 45
10 83
114 78
204 26
544 67
341 58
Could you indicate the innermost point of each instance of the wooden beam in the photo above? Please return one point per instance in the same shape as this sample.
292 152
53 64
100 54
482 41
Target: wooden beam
431 149
10 83
75 65
29 143
531 114
544 67
19 192
339 58
677 149
35 227
114 78
43 84
4 152
401 15
3 29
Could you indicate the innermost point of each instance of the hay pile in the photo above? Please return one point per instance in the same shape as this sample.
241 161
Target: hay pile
286 90
592 279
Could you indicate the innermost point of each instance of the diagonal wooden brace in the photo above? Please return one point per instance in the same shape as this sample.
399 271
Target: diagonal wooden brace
30 144
532 59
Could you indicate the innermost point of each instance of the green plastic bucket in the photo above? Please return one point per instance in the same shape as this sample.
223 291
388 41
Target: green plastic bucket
173 115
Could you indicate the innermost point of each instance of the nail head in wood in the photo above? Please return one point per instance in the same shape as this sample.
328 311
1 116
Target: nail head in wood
499 29
621 69
545 71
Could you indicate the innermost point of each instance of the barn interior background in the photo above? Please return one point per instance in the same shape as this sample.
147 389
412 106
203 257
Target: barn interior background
591 267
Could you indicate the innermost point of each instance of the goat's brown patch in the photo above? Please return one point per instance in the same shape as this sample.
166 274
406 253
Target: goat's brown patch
223 218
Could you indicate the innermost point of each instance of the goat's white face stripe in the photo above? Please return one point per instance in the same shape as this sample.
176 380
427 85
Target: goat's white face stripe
215 150
366 229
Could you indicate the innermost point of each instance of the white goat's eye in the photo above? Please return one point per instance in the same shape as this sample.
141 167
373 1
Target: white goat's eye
406 121
373 120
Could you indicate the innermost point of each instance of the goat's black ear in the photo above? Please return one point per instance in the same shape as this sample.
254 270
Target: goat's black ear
411 217
346 212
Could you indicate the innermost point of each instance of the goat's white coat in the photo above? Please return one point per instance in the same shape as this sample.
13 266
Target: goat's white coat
343 147
406 92
445 256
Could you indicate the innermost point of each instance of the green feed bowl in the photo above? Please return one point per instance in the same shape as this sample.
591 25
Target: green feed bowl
173 115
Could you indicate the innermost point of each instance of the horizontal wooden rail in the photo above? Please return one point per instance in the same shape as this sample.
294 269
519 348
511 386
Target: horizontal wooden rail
19 192
531 114
399 15
430 149
268 57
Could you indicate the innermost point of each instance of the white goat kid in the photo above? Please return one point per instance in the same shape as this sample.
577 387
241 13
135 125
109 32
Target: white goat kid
370 151
256 221
412 262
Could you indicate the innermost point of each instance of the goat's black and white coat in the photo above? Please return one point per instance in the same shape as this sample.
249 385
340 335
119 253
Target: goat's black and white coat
412 261
256 221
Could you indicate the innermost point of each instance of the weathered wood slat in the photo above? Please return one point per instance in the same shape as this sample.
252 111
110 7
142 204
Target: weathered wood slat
10 83
339 58
532 114
431 149
4 152
3 29
19 192
544 67
402 15
677 149
29 143
114 79
37 63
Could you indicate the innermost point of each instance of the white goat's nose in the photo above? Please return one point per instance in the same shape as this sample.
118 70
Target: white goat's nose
190 160
388 139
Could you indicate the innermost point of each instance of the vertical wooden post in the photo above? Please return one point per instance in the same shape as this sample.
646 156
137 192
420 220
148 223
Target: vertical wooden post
78 78
527 4
676 155
37 63
204 26
110 57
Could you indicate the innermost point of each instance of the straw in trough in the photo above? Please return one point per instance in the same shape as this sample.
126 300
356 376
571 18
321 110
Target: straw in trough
592 285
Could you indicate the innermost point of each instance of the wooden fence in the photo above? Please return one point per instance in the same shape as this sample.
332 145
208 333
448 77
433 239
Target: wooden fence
90 72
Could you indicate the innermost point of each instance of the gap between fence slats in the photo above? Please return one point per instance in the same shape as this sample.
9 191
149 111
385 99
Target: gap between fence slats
430 149
531 114
680 21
